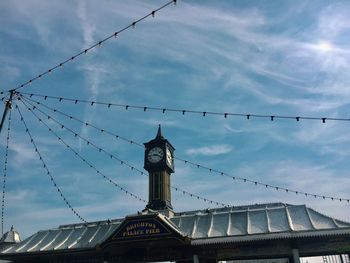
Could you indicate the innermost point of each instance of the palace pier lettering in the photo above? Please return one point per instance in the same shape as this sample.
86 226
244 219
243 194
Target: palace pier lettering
138 229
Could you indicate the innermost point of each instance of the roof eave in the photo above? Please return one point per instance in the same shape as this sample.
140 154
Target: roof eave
270 236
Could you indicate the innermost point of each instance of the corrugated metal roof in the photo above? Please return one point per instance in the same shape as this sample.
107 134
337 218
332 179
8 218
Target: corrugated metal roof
66 237
265 221
234 224
11 236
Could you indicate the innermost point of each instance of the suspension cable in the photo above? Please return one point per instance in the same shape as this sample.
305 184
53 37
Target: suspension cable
89 124
75 134
84 159
205 113
121 162
47 169
211 170
97 44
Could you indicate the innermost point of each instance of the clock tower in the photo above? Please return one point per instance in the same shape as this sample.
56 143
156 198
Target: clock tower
159 162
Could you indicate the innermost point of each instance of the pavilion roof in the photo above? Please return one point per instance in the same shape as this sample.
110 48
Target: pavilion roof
233 224
256 222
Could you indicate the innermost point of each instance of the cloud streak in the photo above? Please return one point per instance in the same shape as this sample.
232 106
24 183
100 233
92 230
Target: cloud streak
210 150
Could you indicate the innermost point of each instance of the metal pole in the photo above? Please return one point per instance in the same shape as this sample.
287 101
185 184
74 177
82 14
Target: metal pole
7 108
296 257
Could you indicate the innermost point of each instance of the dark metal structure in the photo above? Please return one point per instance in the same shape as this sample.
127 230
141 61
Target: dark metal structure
264 231
159 163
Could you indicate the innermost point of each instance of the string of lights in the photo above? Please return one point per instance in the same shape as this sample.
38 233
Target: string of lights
97 44
88 124
77 135
82 158
267 186
200 198
5 173
164 110
47 169
211 170
122 162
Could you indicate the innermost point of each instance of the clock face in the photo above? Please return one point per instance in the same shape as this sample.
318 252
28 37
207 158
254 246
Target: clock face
169 157
155 155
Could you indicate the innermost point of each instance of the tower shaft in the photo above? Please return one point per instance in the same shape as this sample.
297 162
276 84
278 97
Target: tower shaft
159 191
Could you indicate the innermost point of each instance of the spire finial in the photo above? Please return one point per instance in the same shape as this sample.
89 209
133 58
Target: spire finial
159 133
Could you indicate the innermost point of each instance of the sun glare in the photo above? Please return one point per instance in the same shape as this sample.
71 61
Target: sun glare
325 46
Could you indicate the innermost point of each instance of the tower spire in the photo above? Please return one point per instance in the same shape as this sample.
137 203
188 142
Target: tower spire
159 133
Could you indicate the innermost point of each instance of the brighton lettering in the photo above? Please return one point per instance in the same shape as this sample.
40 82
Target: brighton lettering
141 229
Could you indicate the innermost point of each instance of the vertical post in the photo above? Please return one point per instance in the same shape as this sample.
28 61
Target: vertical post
296 257
195 259
7 107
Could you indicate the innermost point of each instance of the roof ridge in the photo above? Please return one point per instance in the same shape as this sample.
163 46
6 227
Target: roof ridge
236 208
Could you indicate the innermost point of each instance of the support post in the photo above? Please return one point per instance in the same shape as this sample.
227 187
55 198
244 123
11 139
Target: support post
195 259
7 108
296 257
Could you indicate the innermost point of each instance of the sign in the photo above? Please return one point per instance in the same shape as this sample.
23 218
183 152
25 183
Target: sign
142 228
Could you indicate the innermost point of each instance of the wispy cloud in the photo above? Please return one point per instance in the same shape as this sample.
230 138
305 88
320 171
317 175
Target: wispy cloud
155 122
23 153
86 24
289 60
92 72
210 150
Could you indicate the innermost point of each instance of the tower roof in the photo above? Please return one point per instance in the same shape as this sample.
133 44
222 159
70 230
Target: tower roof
159 133
11 236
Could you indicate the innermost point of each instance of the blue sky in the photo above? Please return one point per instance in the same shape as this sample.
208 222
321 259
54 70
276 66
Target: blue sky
254 57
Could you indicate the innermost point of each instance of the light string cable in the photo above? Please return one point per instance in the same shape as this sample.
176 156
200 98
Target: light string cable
164 110
88 124
97 44
195 196
210 170
5 173
258 183
123 189
46 167
121 162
